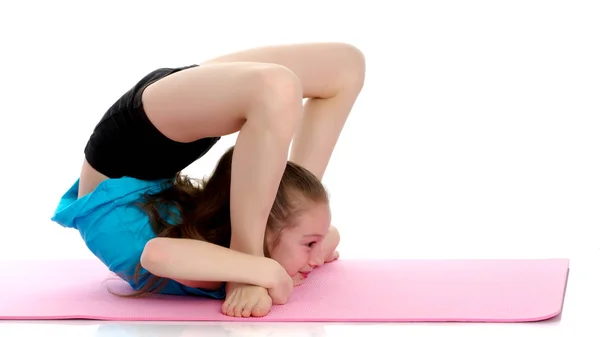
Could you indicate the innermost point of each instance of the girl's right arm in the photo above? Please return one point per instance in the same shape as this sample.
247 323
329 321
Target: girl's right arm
194 260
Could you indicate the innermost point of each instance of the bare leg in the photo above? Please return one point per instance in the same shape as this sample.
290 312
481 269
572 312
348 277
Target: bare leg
263 101
320 129
205 101
332 76
259 159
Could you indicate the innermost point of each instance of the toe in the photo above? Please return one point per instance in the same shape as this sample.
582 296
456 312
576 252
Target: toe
247 311
229 310
259 311
262 308
225 307
237 312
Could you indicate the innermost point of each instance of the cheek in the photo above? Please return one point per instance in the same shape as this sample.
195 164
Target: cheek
302 257
292 258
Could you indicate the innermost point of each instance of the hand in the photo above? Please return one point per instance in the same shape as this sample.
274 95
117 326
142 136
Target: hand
298 279
245 300
330 243
334 256
282 286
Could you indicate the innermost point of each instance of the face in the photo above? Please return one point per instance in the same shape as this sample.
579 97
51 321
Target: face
299 249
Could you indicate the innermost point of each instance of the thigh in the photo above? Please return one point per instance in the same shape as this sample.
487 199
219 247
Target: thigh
323 68
211 100
126 143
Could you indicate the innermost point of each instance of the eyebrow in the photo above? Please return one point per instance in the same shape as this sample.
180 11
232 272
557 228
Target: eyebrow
311 235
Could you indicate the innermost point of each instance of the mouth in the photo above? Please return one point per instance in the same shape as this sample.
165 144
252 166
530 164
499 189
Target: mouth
304 274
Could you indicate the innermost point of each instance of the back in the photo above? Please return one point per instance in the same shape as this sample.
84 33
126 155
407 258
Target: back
115 229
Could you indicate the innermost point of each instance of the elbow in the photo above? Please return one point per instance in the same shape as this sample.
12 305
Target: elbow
354 66
155 256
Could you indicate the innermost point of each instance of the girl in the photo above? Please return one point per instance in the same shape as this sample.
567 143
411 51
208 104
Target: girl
260 221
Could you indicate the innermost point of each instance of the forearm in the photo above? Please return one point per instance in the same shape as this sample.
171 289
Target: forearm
196 260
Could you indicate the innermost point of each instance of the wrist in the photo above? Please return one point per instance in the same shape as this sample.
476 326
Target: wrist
273 272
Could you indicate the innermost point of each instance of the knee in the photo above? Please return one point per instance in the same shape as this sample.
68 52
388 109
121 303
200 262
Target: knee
278 95
278 85
354 66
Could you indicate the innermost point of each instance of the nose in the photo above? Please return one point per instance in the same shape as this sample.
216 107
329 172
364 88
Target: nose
316 258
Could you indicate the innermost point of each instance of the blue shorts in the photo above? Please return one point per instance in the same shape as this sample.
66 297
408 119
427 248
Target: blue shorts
116 230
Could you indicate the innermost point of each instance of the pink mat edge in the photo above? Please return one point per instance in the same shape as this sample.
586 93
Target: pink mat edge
266 319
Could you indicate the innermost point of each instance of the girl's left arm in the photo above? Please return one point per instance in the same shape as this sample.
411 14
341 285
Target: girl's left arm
330 243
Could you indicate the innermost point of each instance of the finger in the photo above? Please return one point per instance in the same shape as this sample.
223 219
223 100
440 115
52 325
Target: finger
298 280
334 256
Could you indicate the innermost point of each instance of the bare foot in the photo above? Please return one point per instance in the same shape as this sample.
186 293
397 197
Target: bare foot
245 300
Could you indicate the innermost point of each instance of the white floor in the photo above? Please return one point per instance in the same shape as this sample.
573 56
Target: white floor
83 329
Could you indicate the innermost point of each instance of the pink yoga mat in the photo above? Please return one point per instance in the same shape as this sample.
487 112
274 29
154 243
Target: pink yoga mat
343 291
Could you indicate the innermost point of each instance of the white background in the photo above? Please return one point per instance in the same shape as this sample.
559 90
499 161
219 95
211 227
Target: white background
476 134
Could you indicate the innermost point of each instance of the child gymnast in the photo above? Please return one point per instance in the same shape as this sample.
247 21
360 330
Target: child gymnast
261 222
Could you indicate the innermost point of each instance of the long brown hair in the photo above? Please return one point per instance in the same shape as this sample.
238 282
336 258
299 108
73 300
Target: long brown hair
201 210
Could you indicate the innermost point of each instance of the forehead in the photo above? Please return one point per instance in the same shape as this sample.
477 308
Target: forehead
314 220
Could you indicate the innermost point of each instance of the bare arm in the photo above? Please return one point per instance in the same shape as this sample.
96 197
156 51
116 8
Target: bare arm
194 260
330 243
